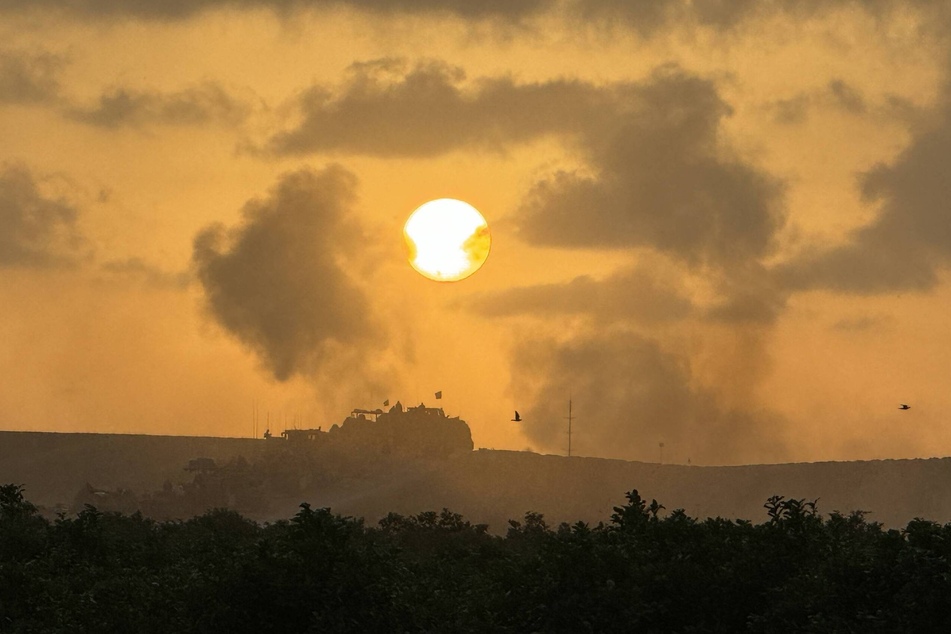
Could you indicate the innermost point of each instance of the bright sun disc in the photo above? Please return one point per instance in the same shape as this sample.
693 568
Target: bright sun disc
447 240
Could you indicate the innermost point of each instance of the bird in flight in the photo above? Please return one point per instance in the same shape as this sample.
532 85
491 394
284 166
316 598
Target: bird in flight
903 406
517 418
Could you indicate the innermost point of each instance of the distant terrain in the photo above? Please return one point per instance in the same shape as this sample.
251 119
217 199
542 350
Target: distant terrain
485 486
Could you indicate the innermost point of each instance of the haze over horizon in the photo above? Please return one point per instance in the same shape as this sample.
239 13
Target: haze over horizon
720 226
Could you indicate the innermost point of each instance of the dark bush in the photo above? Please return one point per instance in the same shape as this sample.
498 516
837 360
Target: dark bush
435 571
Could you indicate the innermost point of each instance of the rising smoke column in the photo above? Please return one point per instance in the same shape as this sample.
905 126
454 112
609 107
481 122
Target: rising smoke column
278 281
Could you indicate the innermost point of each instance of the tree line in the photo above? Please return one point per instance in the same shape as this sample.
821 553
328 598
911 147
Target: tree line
642 570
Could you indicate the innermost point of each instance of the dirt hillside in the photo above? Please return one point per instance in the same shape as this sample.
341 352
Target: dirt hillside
491 486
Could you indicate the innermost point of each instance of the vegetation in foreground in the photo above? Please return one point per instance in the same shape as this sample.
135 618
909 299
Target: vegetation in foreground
642 571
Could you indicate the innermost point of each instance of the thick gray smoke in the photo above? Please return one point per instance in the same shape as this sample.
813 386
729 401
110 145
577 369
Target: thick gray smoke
660 179
629 396
661 185
278 280
636 295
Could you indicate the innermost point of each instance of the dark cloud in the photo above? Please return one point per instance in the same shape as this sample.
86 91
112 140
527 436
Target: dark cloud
28 78
36 230
644 295
748 306
647 17
659 180
837 94
659 177
634 295
278 281
910 239
463 8
202 104
182 9
867 265
658 174
387 109
629 395
651 16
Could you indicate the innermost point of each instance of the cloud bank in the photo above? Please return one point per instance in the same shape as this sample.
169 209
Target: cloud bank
199 105
660 178
169 10
389 108
644 16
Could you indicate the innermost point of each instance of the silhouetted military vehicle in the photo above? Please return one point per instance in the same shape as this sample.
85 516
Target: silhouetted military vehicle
407 432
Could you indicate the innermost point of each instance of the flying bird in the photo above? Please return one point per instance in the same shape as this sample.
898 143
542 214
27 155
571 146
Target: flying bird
517 418
903 406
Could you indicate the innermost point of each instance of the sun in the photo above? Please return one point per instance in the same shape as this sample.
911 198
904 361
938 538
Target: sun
447 240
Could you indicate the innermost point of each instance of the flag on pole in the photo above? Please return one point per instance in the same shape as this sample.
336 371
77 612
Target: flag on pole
439 394
386 403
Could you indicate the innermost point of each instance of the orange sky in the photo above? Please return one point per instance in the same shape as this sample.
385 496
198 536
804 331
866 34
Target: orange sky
721 226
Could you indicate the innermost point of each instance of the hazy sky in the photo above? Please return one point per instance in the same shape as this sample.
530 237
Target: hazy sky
721 226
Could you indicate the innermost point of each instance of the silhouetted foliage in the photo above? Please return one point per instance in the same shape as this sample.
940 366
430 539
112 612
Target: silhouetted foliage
435 571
